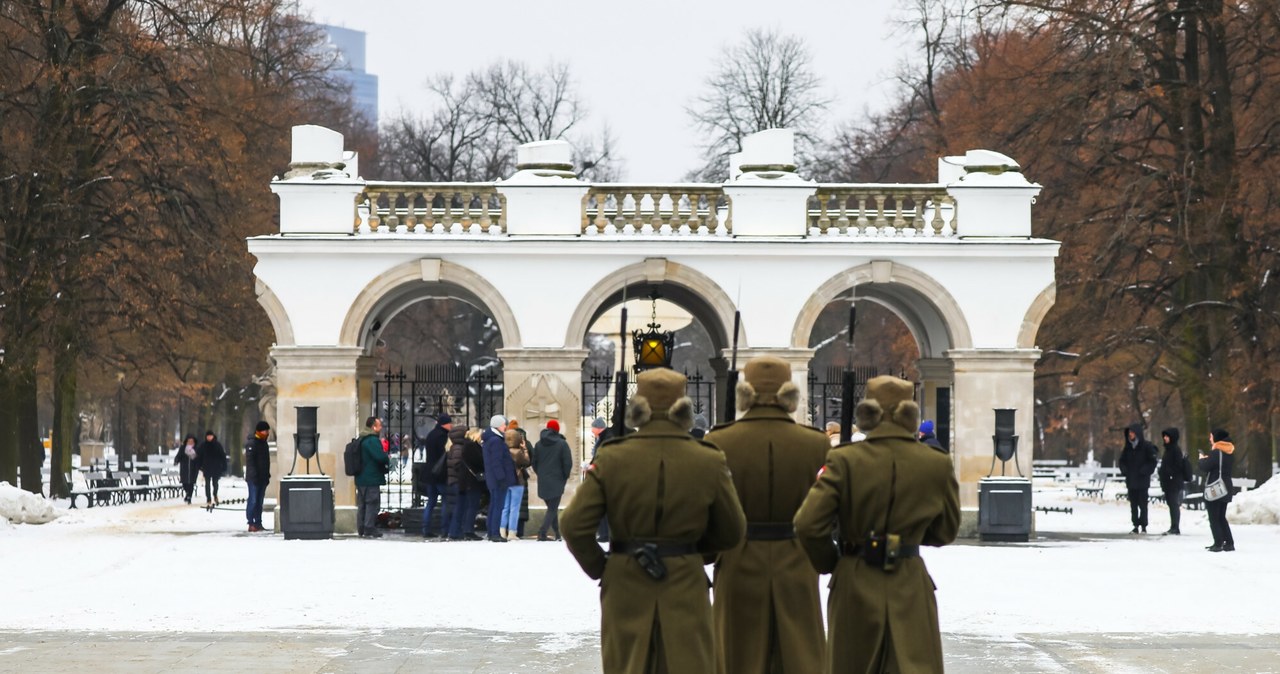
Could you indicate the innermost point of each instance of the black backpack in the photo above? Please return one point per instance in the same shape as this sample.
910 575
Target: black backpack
353 458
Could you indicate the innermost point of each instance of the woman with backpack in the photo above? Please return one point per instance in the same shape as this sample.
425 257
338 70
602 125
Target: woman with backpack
188 466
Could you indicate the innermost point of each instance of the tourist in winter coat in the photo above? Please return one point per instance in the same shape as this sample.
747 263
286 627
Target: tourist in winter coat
881 617
499 474
928 438
515 493
466 462
188 466
1137 463
768 614
257 474
212 459
436 484
1174 472
1219 461
552 462
376 463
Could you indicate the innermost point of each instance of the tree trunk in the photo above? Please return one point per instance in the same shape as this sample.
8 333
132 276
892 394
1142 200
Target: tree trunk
8 429
30 449
65 436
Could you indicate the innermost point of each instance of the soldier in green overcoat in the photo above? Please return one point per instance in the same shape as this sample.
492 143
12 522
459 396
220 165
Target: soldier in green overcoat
767 612
890 494
670 501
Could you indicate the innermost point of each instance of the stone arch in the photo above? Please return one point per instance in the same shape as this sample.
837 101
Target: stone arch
930 312
695 292
393 290
276 313
1040 307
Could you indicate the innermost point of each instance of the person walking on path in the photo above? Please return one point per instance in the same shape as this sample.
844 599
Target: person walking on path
515 493
1137 463
1174 473
188 465
212 459
373 474
768 615
670 501
499 474
552 463
466 482
257 474
437 483
889 495
1218 463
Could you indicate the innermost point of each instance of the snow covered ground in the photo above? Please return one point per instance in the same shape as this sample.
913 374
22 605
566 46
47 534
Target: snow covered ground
166 566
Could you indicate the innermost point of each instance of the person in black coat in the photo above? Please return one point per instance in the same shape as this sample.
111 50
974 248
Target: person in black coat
188 466
466 482
437 483
1174 472
927 436
552 461
257 474
1137 463
213 463
1219 461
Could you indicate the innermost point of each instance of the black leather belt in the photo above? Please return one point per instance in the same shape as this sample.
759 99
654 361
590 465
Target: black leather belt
770 531
662 549
855 550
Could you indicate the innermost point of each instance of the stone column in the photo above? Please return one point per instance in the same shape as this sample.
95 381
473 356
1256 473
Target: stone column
544 384
324 377
366 372
799 360
986 380
935 373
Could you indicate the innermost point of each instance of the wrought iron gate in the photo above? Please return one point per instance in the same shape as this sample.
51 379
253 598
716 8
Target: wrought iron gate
825 392
598 395
409 406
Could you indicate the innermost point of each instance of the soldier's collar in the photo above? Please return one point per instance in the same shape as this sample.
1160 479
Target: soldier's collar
888 429
766 412
661 427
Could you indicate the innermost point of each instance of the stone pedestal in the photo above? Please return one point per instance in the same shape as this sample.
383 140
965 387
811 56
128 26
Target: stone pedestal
1004 510
306 507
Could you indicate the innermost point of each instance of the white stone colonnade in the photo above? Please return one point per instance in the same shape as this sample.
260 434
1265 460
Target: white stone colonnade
544 254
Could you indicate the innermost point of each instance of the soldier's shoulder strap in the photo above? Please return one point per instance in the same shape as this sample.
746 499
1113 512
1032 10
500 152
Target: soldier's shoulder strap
709 445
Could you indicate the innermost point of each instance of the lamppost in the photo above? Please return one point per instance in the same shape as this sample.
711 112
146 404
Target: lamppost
117 433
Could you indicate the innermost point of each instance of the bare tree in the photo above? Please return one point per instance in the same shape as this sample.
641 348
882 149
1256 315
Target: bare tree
472 133
764 82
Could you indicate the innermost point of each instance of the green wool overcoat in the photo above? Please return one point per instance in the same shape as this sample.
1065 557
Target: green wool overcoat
880 621
768 615
658 484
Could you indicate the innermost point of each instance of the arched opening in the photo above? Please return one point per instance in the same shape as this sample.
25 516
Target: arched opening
905 323
700 338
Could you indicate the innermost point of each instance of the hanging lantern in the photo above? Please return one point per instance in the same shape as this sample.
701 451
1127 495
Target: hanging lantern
653 347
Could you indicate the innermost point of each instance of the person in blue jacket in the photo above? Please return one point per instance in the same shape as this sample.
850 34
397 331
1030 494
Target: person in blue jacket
499 473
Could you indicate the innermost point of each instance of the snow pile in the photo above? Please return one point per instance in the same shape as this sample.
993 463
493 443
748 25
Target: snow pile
1259 506
23 507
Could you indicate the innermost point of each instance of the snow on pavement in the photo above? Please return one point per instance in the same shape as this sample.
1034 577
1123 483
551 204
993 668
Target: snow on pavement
166 566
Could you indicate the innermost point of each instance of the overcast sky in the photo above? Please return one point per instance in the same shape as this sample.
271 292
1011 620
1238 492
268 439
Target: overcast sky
637 65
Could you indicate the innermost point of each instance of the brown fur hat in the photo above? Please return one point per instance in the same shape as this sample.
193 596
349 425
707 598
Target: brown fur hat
767 381
660 394
890 400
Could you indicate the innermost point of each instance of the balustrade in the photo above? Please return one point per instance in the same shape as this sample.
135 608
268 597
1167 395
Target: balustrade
431 208
882 210
688 209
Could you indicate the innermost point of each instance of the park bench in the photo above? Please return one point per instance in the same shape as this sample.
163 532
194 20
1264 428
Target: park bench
1093 488
99 489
